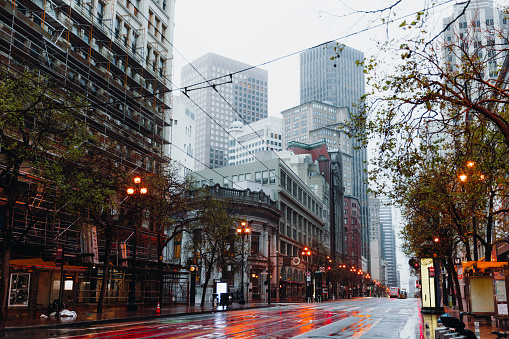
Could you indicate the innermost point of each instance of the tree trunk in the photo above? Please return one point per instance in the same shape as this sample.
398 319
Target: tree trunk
161 276
6 260
106 274
458 289
207 278
450 283
4 284
488 247
467 249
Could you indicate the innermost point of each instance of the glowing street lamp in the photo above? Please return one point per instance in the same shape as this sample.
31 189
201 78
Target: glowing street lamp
306 253
134 191
243 230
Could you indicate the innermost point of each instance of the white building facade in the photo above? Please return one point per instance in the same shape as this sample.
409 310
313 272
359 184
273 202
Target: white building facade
182 134
247 140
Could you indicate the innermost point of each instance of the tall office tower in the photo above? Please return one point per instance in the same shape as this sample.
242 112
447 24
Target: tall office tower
375 237
339 82
388 241
248 140
244 98
482 29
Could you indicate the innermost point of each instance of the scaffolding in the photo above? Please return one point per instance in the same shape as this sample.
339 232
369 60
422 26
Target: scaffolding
73 43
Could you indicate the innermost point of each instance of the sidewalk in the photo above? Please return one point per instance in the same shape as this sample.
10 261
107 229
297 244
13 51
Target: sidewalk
485 326
87 315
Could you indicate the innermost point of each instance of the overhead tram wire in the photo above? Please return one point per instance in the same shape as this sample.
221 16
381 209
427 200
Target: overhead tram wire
189 87
208 81
305 49
224 129
210 168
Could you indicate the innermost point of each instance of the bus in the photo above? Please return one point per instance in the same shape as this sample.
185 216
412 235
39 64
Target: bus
394 292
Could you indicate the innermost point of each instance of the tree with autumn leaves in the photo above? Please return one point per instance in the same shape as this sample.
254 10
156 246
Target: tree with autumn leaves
442 137
39 126
54 167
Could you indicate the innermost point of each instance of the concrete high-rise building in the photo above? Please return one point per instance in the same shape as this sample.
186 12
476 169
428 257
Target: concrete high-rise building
388 241
248 140
339 83
315 121
237 96
478 31
375 237
108 53
330 167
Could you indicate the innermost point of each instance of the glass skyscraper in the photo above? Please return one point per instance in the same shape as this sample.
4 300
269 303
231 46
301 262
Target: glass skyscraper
339 82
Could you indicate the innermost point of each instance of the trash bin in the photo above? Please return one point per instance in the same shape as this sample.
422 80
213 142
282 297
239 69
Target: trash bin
214 299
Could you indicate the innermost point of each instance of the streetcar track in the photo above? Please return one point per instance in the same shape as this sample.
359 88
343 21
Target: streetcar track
286 314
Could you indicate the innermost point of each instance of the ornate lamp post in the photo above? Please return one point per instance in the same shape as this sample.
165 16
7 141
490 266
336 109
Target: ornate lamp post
243 230
306 253
135 192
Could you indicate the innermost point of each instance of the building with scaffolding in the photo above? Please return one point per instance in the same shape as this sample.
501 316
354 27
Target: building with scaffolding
118 54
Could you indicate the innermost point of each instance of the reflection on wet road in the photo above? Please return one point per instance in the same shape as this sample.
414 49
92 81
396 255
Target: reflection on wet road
358 318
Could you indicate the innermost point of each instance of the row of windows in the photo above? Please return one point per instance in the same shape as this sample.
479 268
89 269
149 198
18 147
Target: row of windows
325 115
296 190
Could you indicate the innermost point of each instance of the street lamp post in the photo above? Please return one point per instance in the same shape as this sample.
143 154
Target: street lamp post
243 229
135 192
306 253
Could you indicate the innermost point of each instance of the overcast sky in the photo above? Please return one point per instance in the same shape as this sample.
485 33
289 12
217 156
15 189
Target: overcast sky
258 32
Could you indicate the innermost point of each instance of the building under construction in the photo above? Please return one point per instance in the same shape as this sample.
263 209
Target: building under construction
118 54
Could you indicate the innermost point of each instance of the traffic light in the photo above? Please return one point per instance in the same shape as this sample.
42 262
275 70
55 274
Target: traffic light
329 268
436 239
414 263
193 268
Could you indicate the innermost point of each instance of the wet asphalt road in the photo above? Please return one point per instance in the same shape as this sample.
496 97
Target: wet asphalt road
357 318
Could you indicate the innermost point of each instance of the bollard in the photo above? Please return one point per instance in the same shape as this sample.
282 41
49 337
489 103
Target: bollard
477 330
439 332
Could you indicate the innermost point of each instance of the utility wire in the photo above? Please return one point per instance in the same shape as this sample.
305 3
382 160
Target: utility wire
210 168
208 81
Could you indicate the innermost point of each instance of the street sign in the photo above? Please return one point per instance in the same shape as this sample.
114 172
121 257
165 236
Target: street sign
308 276
431 272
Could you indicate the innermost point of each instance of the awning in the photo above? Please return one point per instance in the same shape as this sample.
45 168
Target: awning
39 263
483 264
